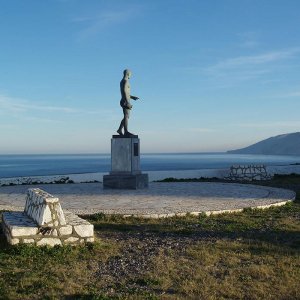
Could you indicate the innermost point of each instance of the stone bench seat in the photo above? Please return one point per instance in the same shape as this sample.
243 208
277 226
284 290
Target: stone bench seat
248 173
44 223
19 224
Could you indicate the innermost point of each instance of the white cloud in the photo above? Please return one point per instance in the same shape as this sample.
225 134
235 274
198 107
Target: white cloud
20 106
201 130
274 124
252 60
44 120
235 70
294 94
232 71
290 95
92 25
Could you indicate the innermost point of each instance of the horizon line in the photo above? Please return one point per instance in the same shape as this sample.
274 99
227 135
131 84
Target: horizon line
107 153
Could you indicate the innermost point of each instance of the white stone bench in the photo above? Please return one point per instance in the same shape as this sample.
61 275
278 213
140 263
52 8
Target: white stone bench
248 173
43 222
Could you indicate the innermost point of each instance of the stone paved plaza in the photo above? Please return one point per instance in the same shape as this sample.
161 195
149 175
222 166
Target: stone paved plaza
160 200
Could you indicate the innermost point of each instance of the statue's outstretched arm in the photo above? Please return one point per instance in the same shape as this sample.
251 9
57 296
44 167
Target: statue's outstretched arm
134 97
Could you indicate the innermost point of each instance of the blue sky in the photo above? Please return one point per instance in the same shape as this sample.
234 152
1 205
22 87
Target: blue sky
211 75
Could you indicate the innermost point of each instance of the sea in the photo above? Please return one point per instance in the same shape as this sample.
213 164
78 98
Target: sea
40 165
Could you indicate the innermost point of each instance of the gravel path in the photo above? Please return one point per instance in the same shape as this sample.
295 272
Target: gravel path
160 200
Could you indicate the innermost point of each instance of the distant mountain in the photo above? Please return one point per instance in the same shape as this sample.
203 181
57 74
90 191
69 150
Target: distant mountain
284 144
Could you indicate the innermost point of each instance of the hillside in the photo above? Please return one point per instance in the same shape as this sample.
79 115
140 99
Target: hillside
284 144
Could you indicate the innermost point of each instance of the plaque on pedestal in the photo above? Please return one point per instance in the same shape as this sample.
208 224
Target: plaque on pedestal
125 164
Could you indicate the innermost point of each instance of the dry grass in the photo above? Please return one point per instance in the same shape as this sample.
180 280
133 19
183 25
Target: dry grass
249 255
228 269
29 272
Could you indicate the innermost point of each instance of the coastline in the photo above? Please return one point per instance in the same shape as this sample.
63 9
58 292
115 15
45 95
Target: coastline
153 175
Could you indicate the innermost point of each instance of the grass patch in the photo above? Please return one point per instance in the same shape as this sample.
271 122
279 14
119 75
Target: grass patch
29 272
254 254
200 179
227 269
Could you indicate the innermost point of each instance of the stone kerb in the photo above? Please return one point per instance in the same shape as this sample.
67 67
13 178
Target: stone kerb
43 223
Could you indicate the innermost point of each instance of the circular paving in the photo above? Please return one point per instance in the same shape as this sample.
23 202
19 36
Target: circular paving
160 200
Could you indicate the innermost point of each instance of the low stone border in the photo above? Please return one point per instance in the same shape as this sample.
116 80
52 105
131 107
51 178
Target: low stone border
207 213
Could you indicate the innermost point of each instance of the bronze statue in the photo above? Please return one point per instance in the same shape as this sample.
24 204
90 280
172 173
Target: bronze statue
125 103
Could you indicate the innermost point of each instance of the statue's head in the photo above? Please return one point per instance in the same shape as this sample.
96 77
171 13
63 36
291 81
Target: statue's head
127 73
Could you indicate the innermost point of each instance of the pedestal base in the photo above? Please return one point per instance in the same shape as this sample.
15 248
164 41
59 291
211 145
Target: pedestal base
130 182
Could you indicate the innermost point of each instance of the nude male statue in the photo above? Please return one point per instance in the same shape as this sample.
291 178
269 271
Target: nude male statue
125 103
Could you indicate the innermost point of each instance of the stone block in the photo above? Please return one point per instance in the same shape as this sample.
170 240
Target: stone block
84 230
43 215
49 241
65 230
71 240
81 227
13 241
28 241
90 240
23 230
135 181
60 215
18 224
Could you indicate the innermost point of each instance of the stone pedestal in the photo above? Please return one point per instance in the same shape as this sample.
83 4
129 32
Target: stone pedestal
125 164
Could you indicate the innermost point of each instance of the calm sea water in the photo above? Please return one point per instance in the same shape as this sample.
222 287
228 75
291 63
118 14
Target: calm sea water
33 165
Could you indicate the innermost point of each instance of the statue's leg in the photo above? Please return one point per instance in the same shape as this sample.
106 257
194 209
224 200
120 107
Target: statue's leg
122 124
119 131
126 117
125 125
